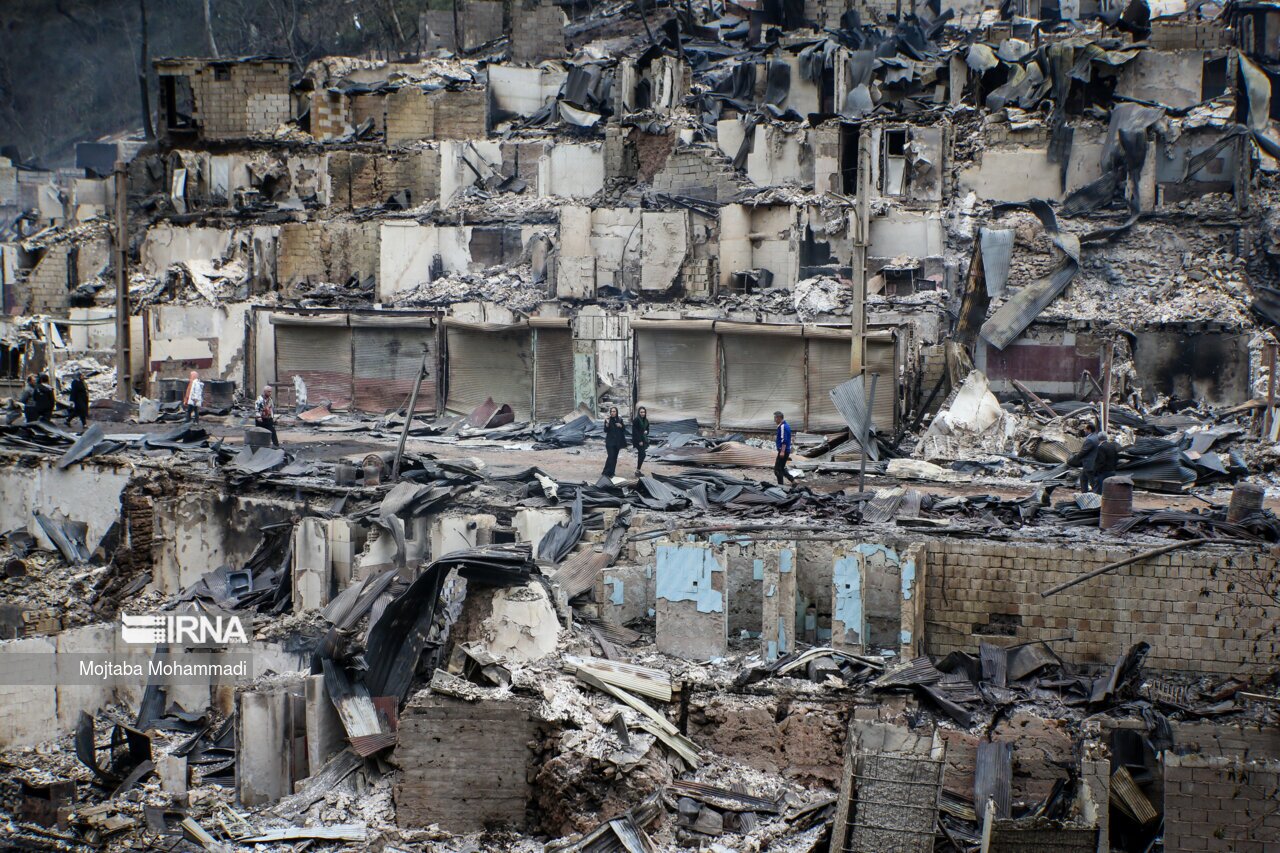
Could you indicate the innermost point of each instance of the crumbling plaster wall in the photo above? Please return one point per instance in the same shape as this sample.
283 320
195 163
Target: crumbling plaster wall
1174 78
360 180
331 251
209 339
88 493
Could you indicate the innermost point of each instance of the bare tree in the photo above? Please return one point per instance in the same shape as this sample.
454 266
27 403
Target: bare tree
144 61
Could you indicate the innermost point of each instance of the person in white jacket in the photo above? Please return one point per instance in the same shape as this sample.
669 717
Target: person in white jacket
194 398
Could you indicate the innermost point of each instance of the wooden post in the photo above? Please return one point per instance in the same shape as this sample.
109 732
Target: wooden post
1108 353
124 348
862 244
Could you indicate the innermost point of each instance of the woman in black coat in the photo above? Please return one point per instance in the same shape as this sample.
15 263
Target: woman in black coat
615 438
640 435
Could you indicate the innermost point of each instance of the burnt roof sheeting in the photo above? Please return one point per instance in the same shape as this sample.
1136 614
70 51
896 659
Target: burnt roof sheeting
561 539
1003 327
68 536
997 254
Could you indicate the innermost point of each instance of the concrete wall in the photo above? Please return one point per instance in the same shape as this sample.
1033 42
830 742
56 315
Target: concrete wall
209 339
1170 77
87 493
1195 608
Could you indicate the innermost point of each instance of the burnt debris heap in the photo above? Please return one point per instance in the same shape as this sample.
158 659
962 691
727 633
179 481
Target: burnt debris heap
1008 272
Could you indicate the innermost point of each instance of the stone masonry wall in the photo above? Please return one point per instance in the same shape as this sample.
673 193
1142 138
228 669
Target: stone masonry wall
1193 607
414 115
697 172
238 99
1226 804
537 33
48 286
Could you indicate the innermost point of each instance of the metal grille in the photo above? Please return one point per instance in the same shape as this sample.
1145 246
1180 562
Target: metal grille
490 364
553 374
321 355
387 361
678 374
762 374
897 803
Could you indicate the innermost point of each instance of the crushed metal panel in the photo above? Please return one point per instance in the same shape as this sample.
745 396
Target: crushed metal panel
997 255
678 375
321 355
497 364
762 374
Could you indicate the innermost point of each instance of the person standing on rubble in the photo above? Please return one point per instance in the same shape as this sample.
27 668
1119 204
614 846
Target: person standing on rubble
782 443
194 398
264 414
640 436
45 400
1087 458
27 399
78 395
615 438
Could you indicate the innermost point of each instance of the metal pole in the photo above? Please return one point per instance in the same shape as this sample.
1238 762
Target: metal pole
1108 354
1270 417
864 438
408 418
124 348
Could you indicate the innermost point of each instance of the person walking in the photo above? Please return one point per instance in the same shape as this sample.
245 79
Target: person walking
264 414
782 443
27 399
640 436
45 401
194 398
615 438
79 399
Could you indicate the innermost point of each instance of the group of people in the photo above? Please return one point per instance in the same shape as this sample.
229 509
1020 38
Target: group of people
1097 459
615 440
264 409
38 400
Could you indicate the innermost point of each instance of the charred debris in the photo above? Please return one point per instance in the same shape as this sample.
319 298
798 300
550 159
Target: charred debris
943 239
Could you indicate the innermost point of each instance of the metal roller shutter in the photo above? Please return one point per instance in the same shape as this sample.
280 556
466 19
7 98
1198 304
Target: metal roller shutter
882 358
386 365
490 364
553 377
828 367
321 355
678 374
762 374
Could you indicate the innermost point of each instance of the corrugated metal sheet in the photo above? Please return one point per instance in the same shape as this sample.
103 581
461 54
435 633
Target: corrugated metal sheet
732 327
553 374
678 374
387 361
321 355
850 400
497 364
997 253
761 375
993 777
828 367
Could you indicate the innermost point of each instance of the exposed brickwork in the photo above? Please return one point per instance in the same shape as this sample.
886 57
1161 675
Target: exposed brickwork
365 180
331 251
328 114
537 32
51 281
1215 803
235 99
699 172
1186 605
414 115
1189 35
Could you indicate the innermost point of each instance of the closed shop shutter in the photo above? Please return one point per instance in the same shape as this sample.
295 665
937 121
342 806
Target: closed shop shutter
762 374
828 367
678 374
321 355
553 393
882 358
387 361
486 364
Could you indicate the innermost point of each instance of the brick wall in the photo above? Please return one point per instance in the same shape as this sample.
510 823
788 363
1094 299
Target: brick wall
537 33
491 784
1183 604
328 114
49 284
1226 804
697 172
330 251
1189 35
367 180
237 99
414 115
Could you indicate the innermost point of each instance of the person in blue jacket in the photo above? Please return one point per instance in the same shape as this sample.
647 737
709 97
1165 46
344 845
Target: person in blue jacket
782 442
